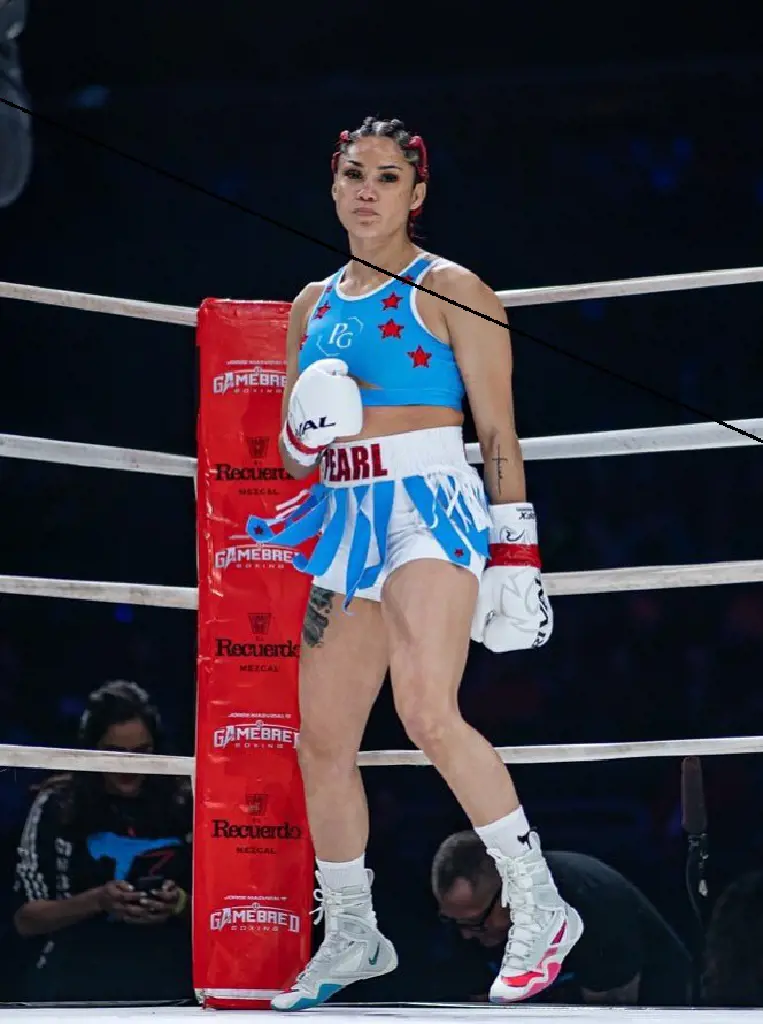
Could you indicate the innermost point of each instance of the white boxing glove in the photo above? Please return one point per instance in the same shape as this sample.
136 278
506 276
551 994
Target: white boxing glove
513 612
324 404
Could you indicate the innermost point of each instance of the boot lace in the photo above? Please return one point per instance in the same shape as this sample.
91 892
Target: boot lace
527 919
330 904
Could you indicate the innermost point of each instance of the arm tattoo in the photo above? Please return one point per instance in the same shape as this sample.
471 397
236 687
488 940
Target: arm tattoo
316 616
498 468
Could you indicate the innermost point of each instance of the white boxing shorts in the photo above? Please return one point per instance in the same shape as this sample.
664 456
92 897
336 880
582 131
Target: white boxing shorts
382 503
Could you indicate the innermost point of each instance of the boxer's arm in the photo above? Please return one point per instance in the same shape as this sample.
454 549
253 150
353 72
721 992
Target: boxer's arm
512 610
483 353
300 311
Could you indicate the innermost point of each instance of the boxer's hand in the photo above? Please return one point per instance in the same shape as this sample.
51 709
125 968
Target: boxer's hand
513 612
324 404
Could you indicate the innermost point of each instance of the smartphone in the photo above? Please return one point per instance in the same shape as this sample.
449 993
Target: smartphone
150 883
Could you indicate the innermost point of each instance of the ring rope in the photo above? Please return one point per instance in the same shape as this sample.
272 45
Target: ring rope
186 315
146 594
551 753
575 446
634 441
72 759
66 759
137 308
629 286
557 584
101 456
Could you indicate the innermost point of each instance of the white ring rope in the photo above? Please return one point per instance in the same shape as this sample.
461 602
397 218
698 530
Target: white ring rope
137 308
558 584
696 436
634 441
73 759
146 594
186 315
65 759
553 753
629 286
101 456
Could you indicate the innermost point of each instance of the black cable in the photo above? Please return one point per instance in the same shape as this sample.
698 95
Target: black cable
194 186
694 825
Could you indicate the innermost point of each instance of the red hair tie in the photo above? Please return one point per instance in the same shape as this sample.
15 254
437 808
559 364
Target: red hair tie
344 138
422 167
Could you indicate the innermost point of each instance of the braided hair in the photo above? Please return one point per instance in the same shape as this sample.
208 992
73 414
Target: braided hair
81 798
113 703
411 146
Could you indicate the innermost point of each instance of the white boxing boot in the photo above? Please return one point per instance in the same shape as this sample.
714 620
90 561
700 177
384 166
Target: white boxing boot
543 927
353 948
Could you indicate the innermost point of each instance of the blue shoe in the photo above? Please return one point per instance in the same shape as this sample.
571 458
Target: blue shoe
353 949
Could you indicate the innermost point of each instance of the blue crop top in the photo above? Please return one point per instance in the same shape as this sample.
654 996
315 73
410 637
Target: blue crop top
384 342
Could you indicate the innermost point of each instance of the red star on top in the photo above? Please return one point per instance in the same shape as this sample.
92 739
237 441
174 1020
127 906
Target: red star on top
408 279
392 301
390 329
302 341
420 357
321 311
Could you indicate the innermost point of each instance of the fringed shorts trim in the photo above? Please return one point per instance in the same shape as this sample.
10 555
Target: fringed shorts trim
380 504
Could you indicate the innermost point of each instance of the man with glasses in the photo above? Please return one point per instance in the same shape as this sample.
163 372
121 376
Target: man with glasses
628 955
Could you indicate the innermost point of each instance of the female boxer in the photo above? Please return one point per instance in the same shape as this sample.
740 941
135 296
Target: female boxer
414 557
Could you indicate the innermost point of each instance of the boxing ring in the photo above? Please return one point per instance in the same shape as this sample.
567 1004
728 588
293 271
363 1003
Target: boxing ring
420 1013
702 436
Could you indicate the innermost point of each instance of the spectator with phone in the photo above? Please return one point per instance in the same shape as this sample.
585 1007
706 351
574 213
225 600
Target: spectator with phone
104 868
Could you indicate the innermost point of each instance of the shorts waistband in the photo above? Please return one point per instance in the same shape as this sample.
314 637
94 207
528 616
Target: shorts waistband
414 453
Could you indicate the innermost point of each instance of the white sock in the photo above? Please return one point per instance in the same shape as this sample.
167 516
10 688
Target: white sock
510 835
344 874
348 874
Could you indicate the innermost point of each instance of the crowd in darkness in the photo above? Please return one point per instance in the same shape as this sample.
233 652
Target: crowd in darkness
602 190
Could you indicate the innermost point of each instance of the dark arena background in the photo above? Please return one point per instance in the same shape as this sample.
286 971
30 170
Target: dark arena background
568 144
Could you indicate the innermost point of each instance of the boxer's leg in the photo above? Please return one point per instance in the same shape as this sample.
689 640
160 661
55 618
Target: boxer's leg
343 662
427 606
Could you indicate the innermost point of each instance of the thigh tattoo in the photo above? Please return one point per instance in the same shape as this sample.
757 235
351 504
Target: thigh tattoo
316 616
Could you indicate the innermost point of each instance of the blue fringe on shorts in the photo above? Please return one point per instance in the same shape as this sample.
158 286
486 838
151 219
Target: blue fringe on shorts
441 501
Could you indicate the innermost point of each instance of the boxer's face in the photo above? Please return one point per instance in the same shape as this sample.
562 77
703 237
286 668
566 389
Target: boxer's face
128 738
476 910
374 189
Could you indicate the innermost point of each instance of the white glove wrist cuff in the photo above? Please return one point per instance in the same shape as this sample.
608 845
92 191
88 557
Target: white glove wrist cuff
296 449
513 524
